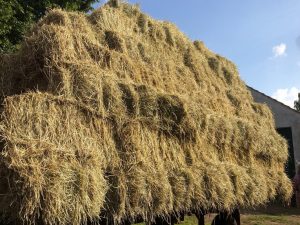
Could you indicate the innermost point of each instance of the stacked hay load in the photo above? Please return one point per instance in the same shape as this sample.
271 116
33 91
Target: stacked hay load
118 114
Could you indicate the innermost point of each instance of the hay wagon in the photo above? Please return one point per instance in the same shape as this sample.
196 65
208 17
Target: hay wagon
119 115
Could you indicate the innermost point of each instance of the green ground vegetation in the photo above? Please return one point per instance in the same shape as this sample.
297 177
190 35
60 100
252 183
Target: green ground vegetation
250 219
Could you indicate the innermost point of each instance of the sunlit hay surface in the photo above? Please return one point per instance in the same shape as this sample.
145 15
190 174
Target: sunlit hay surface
119 115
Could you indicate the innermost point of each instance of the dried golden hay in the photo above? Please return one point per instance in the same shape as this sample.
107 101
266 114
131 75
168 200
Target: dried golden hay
117 114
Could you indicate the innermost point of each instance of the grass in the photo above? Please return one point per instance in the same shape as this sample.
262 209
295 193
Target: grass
272 215
251 219
271 219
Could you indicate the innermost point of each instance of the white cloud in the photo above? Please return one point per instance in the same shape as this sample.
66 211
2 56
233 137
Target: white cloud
287 96
279 50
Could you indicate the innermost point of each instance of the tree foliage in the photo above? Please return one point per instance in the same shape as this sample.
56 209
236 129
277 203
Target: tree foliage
16 16
297 103
14 21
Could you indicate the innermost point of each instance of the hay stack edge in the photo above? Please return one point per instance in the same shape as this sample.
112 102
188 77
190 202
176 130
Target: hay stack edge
120 115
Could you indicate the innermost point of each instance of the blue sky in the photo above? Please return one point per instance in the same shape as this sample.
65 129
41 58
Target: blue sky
259 36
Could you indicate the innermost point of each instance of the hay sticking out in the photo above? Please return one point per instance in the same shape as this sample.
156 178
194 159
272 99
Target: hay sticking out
115 114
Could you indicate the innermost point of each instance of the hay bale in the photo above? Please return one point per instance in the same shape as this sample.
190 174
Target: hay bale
120 115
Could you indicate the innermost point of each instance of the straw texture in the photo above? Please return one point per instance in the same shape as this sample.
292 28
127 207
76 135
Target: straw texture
118 114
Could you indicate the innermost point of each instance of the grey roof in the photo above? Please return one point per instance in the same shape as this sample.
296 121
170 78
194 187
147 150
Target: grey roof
285 106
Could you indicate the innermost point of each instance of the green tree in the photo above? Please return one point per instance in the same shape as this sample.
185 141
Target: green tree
297 103
16 17
14 21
